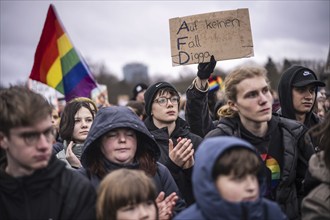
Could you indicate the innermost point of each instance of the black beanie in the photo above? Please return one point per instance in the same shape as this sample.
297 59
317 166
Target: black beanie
138 88
152 90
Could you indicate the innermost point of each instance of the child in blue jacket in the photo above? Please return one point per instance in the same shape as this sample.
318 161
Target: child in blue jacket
228 183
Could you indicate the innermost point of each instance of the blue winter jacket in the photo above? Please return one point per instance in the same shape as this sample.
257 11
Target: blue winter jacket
209 203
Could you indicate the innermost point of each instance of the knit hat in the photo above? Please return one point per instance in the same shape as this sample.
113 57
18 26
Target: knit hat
151 92
303 77
138 88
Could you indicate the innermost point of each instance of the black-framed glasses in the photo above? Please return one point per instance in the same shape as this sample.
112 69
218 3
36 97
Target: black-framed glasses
162 101
32 137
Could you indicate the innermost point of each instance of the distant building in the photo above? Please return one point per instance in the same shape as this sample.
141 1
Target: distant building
135 73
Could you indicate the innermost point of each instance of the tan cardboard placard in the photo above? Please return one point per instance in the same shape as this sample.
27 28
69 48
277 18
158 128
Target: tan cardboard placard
224 34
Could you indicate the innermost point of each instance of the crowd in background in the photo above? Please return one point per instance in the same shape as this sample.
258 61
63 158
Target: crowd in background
241 151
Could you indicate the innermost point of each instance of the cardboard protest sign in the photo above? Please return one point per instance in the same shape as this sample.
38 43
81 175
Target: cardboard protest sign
224 34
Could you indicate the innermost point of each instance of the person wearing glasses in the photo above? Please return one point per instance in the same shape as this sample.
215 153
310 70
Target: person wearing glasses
34 184
176 142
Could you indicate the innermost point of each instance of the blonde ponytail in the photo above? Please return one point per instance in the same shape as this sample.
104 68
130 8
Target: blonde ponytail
226 112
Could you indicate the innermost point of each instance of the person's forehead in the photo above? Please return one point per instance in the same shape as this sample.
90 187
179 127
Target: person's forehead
164 92
83 111
40 125
122 130
251 84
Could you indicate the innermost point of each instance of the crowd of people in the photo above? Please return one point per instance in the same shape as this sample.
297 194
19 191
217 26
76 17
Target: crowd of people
253 155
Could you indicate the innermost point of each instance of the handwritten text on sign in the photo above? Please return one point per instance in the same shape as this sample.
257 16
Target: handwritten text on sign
226 35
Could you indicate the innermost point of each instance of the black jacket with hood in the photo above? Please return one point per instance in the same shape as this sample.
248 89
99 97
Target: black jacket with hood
287 110
286 102
54 192
296 153
285 97
209 202
181 176
110 118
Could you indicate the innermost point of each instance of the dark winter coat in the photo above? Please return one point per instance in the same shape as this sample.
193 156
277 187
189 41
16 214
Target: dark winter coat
54 192
58 146
297 152
181 176
109 118
197 112
285 97
209 202
287 110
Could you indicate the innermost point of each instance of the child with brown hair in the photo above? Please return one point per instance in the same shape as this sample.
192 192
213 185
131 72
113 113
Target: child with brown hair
127 194
228 182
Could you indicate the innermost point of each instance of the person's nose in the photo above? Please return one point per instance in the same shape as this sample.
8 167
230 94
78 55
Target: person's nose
251 184
309 94
43 143
83 124
143 213
263 99
122 137
169 102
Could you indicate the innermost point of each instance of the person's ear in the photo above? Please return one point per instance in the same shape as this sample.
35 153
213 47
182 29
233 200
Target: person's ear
3 141
232 105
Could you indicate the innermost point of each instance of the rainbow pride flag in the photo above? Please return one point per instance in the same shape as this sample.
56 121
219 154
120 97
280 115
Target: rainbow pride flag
215 83
58 64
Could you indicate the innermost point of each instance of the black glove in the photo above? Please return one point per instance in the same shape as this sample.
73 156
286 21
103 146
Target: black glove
205 69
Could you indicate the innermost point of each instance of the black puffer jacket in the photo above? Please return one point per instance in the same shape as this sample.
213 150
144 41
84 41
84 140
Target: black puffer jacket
54 192
181 176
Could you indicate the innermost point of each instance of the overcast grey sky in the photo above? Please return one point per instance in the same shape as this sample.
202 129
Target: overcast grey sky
118 32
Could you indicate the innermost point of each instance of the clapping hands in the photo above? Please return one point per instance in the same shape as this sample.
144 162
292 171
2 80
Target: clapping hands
183 153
